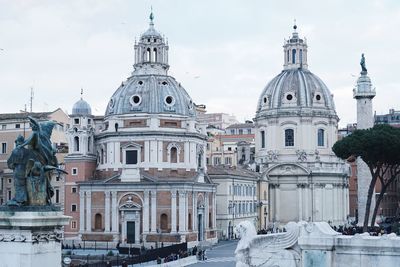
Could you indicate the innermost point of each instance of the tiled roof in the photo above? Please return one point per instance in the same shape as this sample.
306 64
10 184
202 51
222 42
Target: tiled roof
224 170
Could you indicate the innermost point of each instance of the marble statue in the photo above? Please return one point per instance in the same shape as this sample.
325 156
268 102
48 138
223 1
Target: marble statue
271 250
33 160
362 63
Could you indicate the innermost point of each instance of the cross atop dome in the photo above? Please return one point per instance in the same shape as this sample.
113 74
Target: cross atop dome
295 51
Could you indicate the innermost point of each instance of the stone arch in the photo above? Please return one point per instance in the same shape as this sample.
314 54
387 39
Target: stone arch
164 222
173 152
98 222
130 193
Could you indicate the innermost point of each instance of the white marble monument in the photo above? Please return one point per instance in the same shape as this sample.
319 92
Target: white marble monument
31 238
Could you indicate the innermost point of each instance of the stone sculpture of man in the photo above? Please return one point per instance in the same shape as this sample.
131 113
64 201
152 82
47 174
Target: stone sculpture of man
17 162
362 63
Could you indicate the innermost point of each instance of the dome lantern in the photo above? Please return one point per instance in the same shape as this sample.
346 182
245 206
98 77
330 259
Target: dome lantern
295 51
151 52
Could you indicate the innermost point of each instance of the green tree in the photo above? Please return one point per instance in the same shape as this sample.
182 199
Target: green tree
379 148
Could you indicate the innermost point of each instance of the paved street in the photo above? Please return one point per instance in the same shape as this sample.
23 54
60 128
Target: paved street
221 255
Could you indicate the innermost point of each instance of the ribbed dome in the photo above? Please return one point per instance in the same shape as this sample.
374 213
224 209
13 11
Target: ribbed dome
296 89
81 108
151 94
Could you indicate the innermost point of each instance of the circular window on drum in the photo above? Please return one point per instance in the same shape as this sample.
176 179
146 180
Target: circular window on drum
169 100
111 103
135 100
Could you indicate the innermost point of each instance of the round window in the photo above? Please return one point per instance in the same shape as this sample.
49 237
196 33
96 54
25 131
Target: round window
289 97
164 83
169 100
318 97
140 82
135 100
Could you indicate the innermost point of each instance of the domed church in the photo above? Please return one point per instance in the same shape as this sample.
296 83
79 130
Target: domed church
297 126
138 174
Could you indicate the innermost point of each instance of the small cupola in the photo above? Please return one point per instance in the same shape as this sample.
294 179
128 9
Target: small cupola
295 51
151 52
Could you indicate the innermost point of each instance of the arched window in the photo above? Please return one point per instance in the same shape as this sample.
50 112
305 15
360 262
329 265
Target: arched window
289 137
321 135
164 222
76 144
174 155
209 220
116 127
148 55
294 56
98 221
155 54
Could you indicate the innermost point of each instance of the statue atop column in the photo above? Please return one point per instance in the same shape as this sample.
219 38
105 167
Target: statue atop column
33 160
363 67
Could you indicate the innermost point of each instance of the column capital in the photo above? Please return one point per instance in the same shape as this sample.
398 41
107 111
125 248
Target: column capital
173 193
81 193
107 194
153 193
182 193
146 193
88 193
114 193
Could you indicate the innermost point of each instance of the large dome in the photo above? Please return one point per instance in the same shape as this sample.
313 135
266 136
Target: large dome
151 94
296 89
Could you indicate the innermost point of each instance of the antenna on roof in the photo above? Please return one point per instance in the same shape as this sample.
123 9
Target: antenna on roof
31 99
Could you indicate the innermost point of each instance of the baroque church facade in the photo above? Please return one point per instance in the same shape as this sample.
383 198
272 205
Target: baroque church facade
138 174
296 127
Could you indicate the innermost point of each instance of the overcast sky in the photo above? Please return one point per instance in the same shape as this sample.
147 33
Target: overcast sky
222 52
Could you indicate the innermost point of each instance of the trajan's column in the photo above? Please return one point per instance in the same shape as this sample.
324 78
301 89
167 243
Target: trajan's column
364 93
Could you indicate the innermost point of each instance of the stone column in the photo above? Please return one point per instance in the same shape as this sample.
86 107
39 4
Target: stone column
194 221
306 200
214 207
186 211
182 211
107 211
88 211
146 209
81 211
114 212
173 211
323 203
277 202
206 210
153 211
300 200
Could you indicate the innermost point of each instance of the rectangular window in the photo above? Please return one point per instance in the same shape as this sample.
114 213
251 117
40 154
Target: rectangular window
229 148
9 194
74 171
217 161
240 131
228 161
17 126
73 207
289 137
262 139
321 137
76 121
73 190
131 157
73 224
3 148
232 131
248 131
3 127
9 180
208 161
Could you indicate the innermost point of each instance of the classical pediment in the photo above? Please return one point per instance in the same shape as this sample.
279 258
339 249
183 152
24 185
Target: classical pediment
287 169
